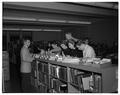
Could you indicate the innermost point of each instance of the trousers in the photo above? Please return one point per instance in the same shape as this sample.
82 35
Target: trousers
26 83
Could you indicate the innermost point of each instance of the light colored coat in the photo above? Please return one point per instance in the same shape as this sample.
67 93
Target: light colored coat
26 59
88 52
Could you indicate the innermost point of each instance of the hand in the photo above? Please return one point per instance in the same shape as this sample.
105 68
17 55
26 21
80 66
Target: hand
33 55
42 51
68 36
71 46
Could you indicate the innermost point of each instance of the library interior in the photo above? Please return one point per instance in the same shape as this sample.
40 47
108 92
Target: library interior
60 47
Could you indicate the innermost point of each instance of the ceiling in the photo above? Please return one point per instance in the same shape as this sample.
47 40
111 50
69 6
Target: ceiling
73 8
55 11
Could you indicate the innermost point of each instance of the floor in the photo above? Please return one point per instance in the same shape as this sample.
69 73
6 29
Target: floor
13 85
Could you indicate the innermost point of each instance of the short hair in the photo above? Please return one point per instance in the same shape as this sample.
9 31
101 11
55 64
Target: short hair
64 42
80 42
72 42
68 33
25 39
55 43
86 39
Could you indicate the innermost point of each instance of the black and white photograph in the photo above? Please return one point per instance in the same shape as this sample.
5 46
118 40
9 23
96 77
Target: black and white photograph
60 47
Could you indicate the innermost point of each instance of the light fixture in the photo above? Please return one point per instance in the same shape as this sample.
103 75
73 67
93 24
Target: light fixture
100 4
11 29
46 20
19 18
52 20
79 22
64 21
57 30
31 29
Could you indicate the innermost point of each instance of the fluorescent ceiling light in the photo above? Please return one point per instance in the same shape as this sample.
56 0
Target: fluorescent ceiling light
40 30
11 29
57 30
31 29
18 18
51 20
79 22
100 4
63 21
27 29
46 20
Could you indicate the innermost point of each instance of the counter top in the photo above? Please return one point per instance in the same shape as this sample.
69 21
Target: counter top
97 68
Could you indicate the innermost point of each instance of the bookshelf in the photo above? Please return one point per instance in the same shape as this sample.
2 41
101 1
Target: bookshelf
85 81
56 77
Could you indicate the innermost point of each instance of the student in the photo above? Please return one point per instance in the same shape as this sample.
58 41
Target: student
73 51
55 48
88 51
71 44
64 48
86 40
25 69
70 37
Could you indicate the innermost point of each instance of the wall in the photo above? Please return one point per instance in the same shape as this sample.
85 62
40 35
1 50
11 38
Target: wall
102 31
77 32
105 31
47 36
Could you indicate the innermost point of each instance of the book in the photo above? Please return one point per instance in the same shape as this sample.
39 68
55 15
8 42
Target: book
40 66
53 70
98 84
63 73
45 68
85 81
80 84
56 85
72 78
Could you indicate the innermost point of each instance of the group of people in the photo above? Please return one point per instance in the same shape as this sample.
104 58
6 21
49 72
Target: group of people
74 47
70 47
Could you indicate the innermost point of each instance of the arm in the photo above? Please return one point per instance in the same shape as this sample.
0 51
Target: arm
26 56
63 54
91 53
75 39
69 36
55 50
